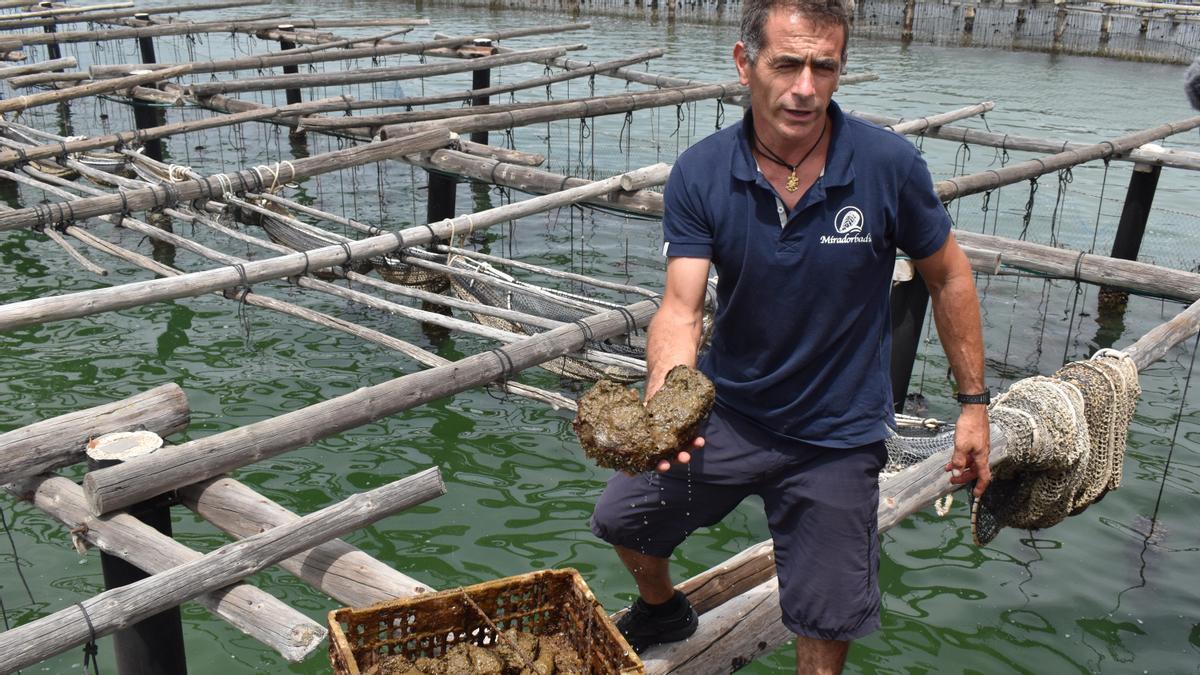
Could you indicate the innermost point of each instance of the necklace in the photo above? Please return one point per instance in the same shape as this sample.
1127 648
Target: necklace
793 183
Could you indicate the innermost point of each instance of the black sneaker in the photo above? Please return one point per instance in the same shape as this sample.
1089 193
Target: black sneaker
642 627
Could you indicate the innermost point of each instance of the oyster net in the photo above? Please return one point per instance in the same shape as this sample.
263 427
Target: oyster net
1066 438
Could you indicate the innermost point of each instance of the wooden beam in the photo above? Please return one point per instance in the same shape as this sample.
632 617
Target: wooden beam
111 610
61 441
337 569
252 611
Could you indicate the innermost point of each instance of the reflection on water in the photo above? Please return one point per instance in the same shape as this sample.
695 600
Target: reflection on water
1107 591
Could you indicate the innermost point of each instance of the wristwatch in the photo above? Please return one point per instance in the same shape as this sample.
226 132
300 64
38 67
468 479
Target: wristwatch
983 399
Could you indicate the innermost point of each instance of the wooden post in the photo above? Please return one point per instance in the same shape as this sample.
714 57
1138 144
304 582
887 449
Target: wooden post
1021 18
969 19
1139 198
293 95
909 301
1106 27
52 49
146 116
443 190
910 11
1060 21
155 644
481 79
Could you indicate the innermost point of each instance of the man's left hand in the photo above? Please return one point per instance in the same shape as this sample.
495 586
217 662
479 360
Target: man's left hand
971 447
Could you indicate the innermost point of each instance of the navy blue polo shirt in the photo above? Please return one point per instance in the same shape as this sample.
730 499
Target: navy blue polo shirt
802 341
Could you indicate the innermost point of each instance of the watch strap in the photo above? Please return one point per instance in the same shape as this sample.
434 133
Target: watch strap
983 398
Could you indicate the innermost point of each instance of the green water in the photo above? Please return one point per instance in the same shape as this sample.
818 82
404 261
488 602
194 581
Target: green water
1098 593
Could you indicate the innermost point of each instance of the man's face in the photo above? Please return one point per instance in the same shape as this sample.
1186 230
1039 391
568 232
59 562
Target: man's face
793 78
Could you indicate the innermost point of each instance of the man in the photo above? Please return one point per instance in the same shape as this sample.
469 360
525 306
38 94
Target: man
801 209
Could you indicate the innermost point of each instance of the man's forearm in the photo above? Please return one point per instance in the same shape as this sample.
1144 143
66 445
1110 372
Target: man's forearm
674 339
956 314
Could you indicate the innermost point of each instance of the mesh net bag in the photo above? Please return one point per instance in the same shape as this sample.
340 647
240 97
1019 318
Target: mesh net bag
1065 444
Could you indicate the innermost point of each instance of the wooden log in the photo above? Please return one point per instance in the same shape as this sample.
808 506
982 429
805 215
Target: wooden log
259 177
49 11
103 87
1155 344
374 74
490 91
556 401
280 59
558 274
746 623
920 124
583 108
118 486
1095 269
35 79
337 569
641 77
129 295
252 611
184 28
961 186
39 67
75 255
508 155
1141 155
536 181
60 441
167 9
56 149
112 610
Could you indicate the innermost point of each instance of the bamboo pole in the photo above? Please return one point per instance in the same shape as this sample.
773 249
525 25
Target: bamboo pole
170 9
962 186
259 177
251 610
592 107
374 74
129 295
344 572
21 103
116 487
296 57
41 66
60 441
185 28
1141 155
114 609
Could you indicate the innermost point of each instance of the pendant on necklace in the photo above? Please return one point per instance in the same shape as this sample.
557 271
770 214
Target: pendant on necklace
793 183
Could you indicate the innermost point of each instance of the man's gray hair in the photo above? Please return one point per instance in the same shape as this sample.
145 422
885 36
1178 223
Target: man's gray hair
822 12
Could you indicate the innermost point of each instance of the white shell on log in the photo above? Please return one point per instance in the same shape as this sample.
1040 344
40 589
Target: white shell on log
123 445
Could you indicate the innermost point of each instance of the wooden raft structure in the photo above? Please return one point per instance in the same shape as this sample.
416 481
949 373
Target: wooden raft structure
738 597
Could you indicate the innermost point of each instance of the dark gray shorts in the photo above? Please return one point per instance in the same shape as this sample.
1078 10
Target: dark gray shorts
821 505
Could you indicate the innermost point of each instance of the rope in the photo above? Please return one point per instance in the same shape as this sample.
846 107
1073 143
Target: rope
90 650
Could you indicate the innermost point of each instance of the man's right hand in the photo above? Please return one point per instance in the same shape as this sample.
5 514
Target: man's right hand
683 457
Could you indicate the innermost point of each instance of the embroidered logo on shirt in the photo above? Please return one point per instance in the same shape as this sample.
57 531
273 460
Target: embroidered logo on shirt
848 223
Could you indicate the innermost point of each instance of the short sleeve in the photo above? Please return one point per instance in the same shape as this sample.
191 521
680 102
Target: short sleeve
923 224
687 231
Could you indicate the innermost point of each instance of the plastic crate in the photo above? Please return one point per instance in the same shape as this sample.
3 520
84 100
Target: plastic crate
542 603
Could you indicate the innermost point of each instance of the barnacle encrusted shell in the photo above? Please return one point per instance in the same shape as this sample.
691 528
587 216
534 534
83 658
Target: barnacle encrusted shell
618 432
